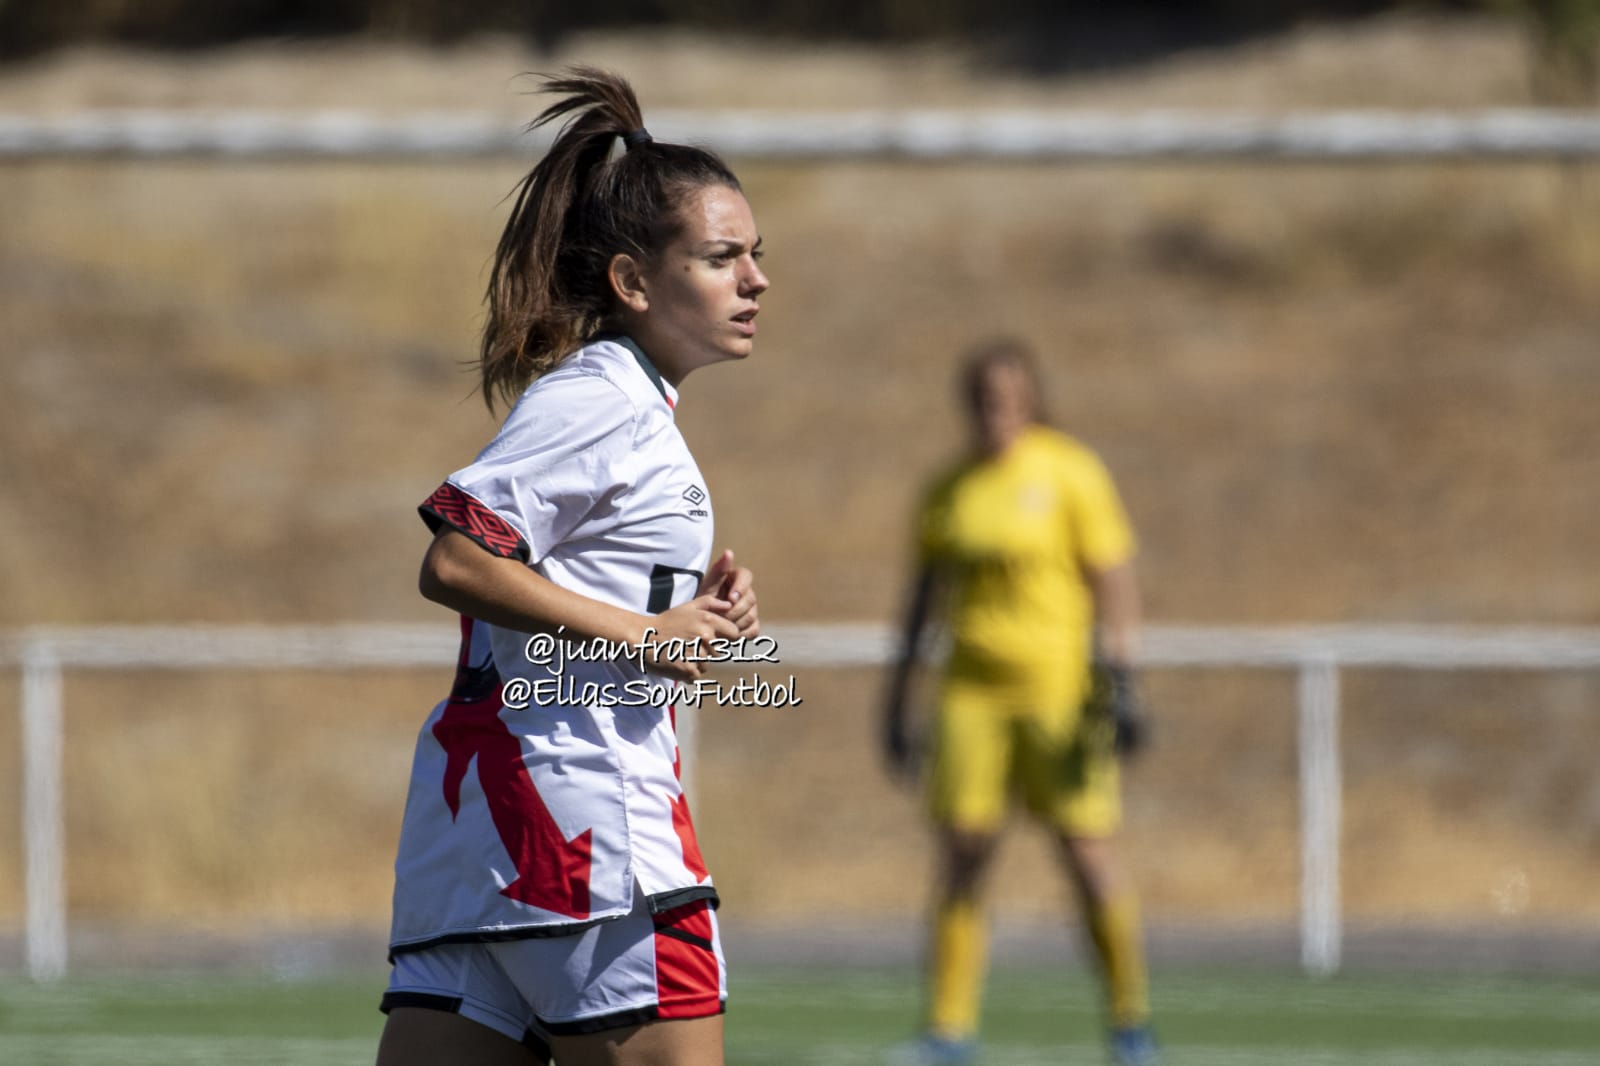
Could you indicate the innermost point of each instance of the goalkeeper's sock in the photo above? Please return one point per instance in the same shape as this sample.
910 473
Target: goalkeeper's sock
960 953
1114 928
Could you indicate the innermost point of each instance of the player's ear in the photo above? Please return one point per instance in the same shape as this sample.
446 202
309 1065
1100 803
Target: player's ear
627 282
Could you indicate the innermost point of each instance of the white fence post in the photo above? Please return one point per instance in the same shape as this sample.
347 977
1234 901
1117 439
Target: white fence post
1320 801
43 835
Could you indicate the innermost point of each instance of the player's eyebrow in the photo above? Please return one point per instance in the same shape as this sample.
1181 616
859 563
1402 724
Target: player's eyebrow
725 244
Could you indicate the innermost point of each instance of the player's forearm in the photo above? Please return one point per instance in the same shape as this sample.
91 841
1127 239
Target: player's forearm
894 706
910 643
1117 614
458 574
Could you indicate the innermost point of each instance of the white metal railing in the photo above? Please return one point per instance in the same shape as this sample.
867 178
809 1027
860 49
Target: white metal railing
1316 652
922 135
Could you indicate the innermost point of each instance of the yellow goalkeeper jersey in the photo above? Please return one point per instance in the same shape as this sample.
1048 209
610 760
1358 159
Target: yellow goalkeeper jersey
1012 535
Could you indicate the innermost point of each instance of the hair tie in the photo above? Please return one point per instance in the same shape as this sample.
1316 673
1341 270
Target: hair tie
636 138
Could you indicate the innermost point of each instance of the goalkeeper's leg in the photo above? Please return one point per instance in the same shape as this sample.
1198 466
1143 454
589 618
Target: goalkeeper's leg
1080 795
1111 913
958 955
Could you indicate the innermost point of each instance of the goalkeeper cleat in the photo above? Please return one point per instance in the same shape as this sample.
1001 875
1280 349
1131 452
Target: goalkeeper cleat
933 1050
1134 1046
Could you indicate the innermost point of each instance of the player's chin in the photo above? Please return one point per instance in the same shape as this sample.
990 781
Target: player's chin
738 347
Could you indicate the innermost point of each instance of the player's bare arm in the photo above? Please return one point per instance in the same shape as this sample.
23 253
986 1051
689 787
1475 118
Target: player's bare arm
898 749
458 574
1116 611
1116 599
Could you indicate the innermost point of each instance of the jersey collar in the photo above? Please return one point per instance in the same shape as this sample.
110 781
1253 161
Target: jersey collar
668 393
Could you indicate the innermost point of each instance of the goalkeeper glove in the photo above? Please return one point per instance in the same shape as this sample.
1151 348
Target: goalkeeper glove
1114 682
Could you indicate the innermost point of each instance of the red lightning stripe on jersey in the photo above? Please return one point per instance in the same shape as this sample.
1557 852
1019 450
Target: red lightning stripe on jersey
552 871
681 825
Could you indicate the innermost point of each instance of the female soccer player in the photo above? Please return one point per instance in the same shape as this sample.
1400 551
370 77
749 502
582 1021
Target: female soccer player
1026 544
549 894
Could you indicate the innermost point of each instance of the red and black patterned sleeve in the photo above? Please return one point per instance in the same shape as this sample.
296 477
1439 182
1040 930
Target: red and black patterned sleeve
449 506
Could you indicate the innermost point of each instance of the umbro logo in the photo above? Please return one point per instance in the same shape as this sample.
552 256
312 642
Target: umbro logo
695 494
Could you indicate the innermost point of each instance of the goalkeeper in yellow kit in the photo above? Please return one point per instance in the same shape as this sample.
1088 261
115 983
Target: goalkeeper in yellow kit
1025 548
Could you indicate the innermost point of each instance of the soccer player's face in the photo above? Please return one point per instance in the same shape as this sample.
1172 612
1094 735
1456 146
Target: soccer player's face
1004 407
702 288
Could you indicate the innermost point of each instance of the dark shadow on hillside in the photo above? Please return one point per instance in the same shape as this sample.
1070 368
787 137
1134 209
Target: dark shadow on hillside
1039 37
1060 41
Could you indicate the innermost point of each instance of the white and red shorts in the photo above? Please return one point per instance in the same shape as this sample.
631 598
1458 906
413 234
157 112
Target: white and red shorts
640 968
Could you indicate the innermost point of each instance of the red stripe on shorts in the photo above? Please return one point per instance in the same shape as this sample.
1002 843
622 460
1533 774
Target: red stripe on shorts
688 979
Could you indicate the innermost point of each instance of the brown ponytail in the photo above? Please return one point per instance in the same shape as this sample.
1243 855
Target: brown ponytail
578 207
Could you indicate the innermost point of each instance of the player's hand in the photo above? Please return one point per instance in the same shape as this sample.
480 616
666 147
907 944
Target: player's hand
736 584
1127 716
682 638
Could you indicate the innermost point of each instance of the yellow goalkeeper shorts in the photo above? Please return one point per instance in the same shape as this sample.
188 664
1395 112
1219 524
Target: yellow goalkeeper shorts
995 742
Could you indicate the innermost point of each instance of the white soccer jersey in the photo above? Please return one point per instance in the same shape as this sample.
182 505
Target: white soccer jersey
546 785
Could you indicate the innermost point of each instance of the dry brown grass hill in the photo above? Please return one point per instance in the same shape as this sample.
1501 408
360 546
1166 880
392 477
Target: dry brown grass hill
1330 394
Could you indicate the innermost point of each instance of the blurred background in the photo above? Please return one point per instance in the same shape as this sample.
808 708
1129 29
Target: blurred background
1330 392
